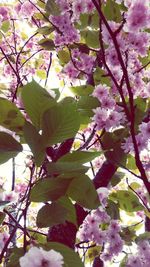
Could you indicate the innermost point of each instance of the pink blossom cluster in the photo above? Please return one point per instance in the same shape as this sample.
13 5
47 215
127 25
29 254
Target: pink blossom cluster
110 238
37 257
142 258
78 7
138 15
108 115
9 196
26 9
143 139
80 63
65 31
91 229
4 14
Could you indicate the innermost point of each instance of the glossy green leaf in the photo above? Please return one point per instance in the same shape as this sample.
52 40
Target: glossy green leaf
83 23
79 157
131 164
127 200
112 11
82 90
101 77
10 116
45 30
60 123
9 147
71 211
143 236
47 44
14 257
83 192
2 217
49 189
58 167
86 104
123 263
51 214
36 100
117 177
112 142
91 38
113 210
52 8
5 26
64 57
71 258
34 140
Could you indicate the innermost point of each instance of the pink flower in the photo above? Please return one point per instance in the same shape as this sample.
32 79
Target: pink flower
103 193
101 91
145 130
78 7
4 13
11 196
114 226
108 102
27 9
100 237
134 261
138 16
37 257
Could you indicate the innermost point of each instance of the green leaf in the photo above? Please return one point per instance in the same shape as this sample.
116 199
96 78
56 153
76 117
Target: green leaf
91 38
82 90
140 110
45 30
79 157
86 104
112 11
53 214
58 167
71 211
112 142
41 74
5 26
40 238
34 140
131 164
83 23
10 116
83 192
2 217
47 44
64 57
100 77
117 177
9 147
49 189
60 123
88 20
127 200
52 8
123 263
128 235
71 258
144 236
15 256
95 20
113 210
36 100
